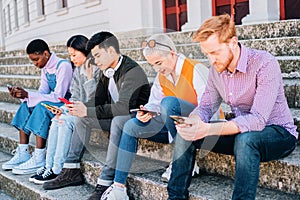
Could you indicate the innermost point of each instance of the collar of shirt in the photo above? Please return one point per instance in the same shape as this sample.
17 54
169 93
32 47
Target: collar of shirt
243 60
50 66
242 63
119 63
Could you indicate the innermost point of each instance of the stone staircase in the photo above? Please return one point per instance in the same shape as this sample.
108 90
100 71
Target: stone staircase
278 179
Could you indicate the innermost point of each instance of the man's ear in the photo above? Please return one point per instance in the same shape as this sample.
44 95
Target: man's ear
46 54
233 42
111 50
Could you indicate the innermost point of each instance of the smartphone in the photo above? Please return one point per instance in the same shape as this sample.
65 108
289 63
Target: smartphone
66 101
51 108
153 113
178 119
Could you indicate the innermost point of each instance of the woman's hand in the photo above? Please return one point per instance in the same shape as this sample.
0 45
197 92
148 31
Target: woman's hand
143 116
77 109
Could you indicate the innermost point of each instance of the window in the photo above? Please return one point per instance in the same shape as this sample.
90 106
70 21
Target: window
16 14
26 11
9 18
41 7
62 4
4 24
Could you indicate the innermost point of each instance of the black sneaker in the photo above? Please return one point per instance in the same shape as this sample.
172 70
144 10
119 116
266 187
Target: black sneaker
46 176
99 190
39 172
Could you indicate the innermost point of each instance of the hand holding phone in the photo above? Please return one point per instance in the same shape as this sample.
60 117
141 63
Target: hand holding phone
53 109
65 100
179 119
153 113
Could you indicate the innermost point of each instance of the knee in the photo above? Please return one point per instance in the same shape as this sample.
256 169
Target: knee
244 142
81 121
130 127
168 102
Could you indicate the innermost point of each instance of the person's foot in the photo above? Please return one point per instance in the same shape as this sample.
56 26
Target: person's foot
67 177
115 193
165 177
99 190
46 176
18 158
39 172
30 166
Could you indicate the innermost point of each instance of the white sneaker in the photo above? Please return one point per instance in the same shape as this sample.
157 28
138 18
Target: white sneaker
115 193
165 177
18 158
30 166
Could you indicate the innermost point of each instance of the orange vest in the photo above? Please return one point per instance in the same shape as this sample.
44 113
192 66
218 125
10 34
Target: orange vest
184 88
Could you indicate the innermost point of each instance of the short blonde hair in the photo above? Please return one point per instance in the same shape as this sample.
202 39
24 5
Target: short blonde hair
159 49
222 25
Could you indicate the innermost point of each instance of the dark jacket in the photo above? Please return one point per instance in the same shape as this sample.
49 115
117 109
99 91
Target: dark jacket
133 88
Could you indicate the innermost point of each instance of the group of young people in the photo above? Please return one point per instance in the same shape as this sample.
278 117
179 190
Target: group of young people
106 85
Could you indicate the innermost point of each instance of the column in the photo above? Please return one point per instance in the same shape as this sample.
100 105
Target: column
197 12
2 43
262 11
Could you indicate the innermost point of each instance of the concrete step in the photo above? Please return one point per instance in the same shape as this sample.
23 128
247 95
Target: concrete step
143 182
286 28
283 175
26 81
19 187
280 46
276 46
25 69
23 59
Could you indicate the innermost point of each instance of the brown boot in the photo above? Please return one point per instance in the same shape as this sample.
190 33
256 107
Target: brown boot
67 177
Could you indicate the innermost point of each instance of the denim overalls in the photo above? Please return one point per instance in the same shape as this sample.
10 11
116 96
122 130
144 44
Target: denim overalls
37 119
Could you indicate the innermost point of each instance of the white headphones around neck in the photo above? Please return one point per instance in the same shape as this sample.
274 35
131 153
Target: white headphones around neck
109 72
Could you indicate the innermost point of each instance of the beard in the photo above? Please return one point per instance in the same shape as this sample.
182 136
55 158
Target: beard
223 65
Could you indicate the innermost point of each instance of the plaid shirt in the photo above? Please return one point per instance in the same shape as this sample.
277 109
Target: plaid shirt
254 92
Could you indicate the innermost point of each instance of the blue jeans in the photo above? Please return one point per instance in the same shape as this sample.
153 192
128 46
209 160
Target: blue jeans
59 140
249 149
108 171
34 119
157 130
81 136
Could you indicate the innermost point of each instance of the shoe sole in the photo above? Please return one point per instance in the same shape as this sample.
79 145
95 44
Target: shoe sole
62 186
39 182
31 180
22 171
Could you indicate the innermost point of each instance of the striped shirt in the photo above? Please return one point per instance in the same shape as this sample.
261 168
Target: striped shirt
254 92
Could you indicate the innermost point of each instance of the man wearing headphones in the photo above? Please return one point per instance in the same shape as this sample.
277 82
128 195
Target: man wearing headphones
122 86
